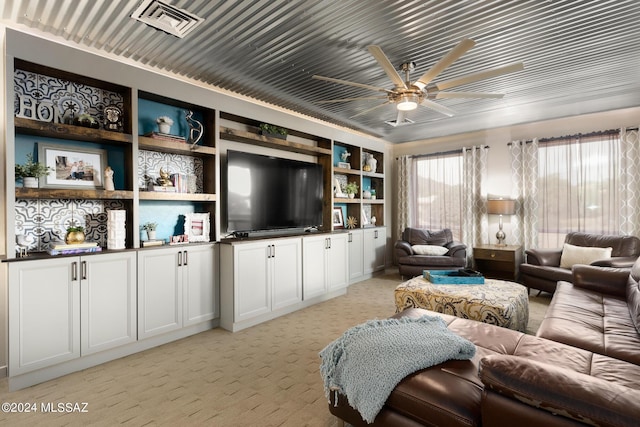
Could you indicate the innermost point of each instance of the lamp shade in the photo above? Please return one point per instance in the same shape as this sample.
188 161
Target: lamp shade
501 206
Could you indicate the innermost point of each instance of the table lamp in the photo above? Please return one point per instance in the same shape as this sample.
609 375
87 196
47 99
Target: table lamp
501 207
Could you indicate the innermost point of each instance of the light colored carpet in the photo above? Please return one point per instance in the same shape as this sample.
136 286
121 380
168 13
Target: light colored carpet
267 375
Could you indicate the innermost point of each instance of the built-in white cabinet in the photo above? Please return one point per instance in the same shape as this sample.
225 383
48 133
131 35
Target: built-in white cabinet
356 255
107 301
175 288
64 308
375 240
325 264
259 278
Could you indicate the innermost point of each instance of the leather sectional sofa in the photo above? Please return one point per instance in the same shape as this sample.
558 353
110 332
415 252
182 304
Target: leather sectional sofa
582 368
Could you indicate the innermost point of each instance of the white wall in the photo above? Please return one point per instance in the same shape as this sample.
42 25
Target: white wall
499 173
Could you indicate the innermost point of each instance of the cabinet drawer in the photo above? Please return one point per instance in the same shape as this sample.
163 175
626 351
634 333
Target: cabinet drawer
496 255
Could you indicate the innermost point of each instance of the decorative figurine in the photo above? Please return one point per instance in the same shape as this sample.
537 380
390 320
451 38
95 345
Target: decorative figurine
164 124
196 129
112 118
338 189
24 243
345 156
164 179
108 179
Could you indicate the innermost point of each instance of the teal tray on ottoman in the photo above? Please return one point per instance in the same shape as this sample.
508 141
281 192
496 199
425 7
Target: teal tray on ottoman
452 277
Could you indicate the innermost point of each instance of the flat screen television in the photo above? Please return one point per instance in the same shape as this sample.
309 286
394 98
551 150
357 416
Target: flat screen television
270 193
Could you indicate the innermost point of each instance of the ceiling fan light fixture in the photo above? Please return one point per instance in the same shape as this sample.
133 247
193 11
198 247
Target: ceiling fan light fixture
408 102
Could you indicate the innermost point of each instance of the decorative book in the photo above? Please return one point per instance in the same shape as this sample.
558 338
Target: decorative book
64 246
154 242
74 251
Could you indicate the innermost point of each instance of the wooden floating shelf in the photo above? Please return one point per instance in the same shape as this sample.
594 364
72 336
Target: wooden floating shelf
64 131
346 171
373 201
373 174
236 135
154 144
66 193
346 200
190 197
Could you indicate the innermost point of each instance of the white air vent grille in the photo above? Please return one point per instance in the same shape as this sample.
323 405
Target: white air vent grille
395 123
166 18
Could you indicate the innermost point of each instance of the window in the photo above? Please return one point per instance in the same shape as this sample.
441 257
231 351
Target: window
578 187
438 190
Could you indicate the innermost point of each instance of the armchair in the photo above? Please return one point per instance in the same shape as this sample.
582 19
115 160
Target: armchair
543 269
438 251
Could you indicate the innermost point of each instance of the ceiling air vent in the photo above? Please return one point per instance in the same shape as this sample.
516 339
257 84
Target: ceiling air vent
395 123
166 18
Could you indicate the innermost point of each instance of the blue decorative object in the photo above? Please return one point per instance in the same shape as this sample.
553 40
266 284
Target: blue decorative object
451 277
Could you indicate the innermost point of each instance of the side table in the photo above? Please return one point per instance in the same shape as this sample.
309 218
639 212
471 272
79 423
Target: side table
498 262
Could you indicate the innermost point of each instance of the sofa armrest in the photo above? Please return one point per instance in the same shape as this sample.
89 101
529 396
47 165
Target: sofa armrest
616 261
403 248
547 257
604 280
456 249
561 391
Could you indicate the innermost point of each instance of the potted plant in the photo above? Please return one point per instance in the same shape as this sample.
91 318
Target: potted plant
351 189
273 131
31 171
75 234
150 228
164 124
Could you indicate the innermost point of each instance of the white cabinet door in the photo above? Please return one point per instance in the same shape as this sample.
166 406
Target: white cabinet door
107 301
314 281
356 260
286 272
375 241
44 313
198 285
159 292
337 263
252 291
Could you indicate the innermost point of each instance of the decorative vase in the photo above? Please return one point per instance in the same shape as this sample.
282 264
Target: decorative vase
164 128
366 194
372 163
30 182
151 234
352 195
74 237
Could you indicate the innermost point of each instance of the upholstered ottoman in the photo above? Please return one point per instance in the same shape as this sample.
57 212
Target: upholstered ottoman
497 302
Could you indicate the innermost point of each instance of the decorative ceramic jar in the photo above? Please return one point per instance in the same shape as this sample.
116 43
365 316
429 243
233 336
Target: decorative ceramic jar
30 182
74 237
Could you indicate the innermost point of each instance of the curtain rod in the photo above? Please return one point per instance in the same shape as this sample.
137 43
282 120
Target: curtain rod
598 133
444 153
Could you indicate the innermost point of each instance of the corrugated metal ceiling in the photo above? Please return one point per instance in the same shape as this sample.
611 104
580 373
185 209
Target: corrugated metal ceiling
580 56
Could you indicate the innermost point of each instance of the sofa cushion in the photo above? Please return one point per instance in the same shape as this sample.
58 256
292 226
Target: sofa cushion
432 262
593 321
623 246
572 255
429 249
418 236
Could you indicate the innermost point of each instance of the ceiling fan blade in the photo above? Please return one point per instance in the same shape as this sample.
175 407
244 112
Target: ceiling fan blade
446 60
346 82
328 101
370 109
480 75
437 107
387 66
449 95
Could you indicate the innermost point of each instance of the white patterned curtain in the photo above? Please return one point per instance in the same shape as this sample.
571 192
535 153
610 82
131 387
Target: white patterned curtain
629 182
474 205
524 176
405 193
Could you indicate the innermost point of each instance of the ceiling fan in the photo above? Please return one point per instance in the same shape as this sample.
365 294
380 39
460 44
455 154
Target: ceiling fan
407 96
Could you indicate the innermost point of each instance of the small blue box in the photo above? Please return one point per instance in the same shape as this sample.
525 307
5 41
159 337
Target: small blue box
451 277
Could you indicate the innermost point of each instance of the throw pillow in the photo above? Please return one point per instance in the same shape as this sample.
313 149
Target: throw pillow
429 250
582 255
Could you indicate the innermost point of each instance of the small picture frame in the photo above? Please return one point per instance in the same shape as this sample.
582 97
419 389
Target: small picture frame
196 227
365 220
72 167
338 219
344 165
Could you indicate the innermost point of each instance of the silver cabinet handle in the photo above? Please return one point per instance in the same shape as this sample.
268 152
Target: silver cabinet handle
180 259
185 258
83 270
74 271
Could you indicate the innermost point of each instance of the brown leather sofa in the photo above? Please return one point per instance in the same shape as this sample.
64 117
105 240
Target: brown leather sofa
583 367
411 264
542 267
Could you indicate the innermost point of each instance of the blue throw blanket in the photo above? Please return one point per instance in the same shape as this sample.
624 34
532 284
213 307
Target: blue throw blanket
370 359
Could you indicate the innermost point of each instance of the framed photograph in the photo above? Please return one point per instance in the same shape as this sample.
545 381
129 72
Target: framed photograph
196 227
338 220
73 167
